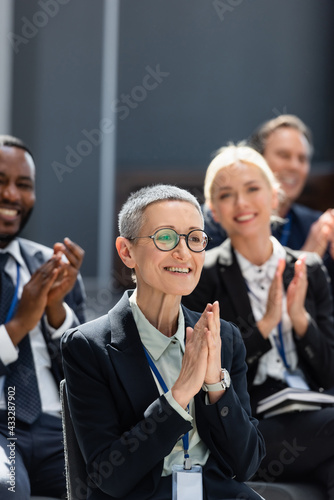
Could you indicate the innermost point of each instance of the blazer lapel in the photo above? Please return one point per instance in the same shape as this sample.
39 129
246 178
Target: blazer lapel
230 275
129 359
33 259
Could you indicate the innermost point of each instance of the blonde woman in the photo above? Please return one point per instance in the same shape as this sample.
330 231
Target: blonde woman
281 301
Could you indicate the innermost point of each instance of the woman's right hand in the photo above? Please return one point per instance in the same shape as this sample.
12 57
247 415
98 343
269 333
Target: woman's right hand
194 363
273 312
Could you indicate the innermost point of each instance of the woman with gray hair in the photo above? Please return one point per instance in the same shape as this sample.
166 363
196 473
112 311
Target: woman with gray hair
157 393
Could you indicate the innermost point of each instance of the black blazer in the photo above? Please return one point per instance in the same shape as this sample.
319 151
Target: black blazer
124 427
301 220
34 256
221 280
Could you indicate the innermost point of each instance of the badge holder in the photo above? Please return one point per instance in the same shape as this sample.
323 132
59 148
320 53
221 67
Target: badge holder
187 483
186 479
295 379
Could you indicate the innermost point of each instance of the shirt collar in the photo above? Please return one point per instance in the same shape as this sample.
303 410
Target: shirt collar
155 342
13 248
252 273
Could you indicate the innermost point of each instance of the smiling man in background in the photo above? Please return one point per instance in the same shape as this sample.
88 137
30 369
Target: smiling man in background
286 144
41 295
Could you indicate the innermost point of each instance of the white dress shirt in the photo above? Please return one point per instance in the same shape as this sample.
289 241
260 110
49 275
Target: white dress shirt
167 354
48 388
258 280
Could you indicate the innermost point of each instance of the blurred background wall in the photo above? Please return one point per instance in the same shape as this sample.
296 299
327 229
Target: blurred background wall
111 95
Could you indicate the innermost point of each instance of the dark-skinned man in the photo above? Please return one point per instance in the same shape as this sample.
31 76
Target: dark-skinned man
41 295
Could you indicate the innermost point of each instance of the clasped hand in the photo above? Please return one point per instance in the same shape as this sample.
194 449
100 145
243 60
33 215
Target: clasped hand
321 235
295 296
202 356
46 289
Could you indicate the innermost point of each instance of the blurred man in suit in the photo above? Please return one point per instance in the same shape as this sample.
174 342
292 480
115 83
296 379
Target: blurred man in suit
286 144
41 295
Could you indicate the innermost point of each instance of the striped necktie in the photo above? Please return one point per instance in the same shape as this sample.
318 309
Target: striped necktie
21 375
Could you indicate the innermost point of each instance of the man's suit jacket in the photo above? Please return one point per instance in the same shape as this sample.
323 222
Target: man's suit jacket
34 256
125 428
302 219
221 280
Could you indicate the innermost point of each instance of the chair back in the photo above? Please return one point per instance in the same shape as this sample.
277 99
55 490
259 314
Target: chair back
76 475
75 468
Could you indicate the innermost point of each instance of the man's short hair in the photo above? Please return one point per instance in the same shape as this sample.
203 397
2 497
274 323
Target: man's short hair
259 138
11 141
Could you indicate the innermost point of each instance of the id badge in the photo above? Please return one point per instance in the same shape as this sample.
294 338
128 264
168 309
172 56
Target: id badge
295 379
187 483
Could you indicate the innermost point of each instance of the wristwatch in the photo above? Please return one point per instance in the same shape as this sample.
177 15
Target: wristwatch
219 386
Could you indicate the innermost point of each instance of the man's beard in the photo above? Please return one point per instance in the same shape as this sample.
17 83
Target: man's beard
7 238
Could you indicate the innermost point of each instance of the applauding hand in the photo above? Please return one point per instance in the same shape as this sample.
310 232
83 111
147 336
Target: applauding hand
202 357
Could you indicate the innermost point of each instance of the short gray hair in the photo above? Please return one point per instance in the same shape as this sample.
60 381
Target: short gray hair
14 142
131 216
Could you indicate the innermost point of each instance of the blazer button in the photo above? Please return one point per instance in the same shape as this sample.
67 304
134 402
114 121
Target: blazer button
224 411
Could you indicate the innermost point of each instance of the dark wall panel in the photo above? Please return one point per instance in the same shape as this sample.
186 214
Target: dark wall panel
231 65
192 75
57 80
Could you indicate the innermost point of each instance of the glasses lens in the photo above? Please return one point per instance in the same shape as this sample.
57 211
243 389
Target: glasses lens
166 239
197 240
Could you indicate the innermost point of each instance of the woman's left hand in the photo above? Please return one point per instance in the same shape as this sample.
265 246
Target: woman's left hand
213 372
202 358
214 366
295 297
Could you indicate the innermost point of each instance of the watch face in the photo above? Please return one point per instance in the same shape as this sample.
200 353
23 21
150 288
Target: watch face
227 378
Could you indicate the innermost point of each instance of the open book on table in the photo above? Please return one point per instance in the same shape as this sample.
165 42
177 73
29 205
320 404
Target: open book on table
291 399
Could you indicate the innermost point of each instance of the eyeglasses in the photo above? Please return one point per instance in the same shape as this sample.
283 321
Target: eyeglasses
166 239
